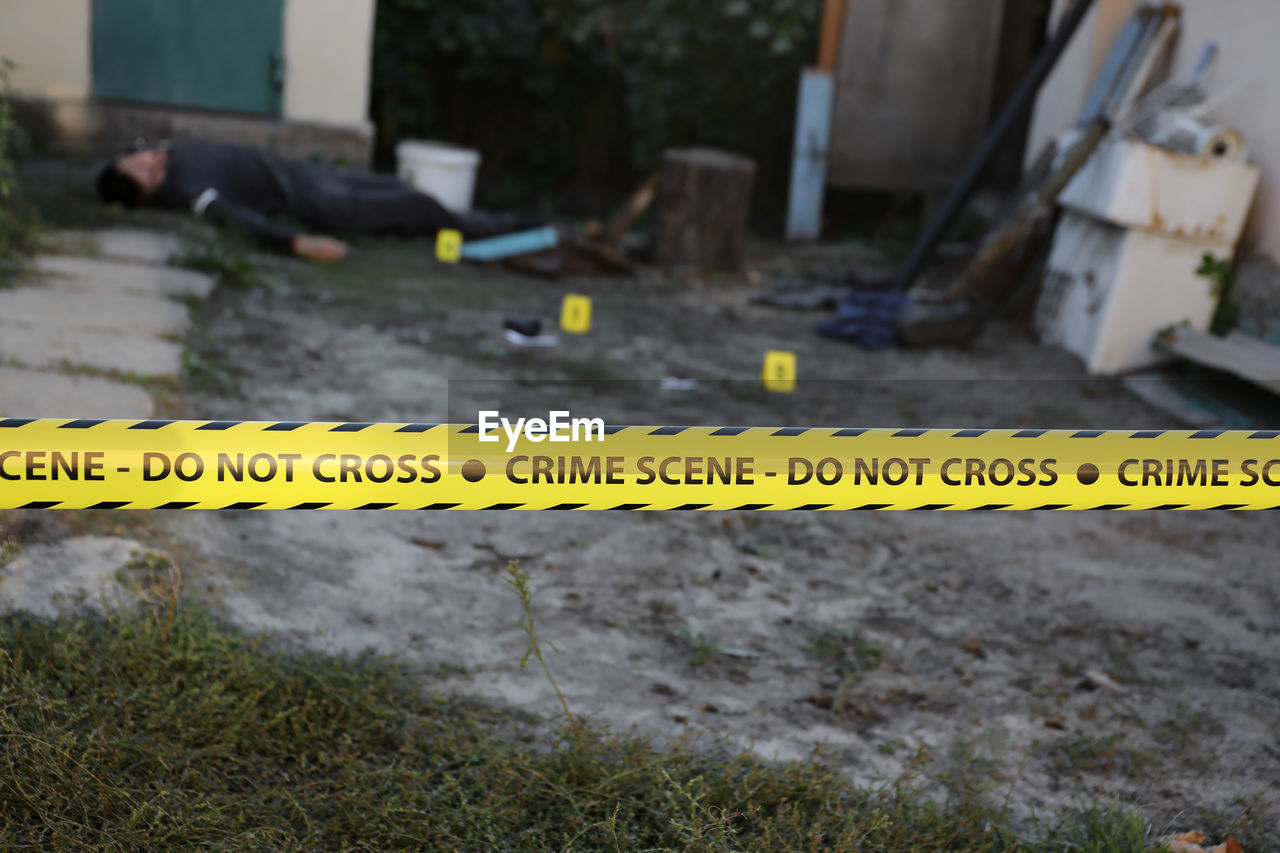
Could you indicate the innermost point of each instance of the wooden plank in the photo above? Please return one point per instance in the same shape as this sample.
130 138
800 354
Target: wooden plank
1238 354
913 91
829 42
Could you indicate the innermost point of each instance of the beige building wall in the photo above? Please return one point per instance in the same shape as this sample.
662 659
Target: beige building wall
48 40
328 48
1244 31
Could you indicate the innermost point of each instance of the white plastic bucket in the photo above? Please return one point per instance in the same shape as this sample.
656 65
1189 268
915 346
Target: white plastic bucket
445 172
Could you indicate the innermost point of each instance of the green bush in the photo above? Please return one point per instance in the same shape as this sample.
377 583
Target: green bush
562 94
18 227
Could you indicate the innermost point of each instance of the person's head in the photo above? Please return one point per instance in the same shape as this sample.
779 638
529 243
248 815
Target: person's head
132 177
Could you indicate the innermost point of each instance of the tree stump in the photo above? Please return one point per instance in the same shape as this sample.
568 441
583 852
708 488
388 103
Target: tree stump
704 197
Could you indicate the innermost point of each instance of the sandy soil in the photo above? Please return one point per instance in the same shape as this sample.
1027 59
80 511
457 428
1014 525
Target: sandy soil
1046 658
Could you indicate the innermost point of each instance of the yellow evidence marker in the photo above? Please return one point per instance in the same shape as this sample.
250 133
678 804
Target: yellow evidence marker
779 373
575 313
449 245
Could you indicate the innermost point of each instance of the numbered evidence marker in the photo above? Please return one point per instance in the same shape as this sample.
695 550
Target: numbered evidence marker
575 314
449 245
779 373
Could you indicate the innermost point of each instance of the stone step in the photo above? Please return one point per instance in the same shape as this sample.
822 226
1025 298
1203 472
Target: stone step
63 271
45 577
122 352
40 394
55 309
121 244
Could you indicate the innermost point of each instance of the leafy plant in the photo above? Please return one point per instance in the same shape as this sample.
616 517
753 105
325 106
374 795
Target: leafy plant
1221 273
19 225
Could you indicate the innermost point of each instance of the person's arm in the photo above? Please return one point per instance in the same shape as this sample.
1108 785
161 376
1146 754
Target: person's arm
270 233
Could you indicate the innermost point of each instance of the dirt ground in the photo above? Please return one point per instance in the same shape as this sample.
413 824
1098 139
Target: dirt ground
1045 659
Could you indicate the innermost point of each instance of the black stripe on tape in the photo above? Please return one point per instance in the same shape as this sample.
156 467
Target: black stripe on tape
668 430
417 427
1148 433
970 433
613 430
1170 506
284 426
811 506
1088 433
567 506
1051 506
1206 433
40 505
376 506
627 507
177 505
992 507
1111 506
789 431
109 505
218 425
1229 506
909 433
469 430
438 506
312 505
753 506
245 505
847 433
691 506
352 427
150 424
84 423
933 506
1029 433
1266 433
505 506
730 431
873 506
14 423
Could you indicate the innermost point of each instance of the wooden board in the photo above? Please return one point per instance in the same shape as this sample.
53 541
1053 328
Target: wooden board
1238 354
913 91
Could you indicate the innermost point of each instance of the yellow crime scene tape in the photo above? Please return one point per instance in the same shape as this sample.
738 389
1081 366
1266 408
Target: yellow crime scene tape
154 464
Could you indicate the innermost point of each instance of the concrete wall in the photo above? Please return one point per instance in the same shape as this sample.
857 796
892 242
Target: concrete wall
1245 33
328 48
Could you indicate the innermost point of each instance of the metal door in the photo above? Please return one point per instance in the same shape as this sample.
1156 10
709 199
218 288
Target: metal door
224 55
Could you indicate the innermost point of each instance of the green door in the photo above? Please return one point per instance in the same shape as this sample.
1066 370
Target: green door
223 55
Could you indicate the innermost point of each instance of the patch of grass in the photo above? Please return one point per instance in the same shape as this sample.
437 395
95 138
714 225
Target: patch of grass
843 651
9 551
1106 754
122 731
226 258
1099 830
702 647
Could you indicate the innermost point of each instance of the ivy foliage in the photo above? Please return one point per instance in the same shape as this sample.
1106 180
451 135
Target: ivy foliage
586 93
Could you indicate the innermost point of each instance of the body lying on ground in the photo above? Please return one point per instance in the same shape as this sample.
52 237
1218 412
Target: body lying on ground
242 185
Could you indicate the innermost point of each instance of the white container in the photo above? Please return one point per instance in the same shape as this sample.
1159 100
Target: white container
445 172
1200 199
1108 291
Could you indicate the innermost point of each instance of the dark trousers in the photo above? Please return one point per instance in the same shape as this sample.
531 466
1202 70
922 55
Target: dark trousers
368 203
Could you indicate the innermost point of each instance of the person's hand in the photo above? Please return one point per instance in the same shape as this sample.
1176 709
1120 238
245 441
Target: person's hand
326 250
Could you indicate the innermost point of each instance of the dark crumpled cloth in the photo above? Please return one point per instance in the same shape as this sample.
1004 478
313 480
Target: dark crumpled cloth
867 318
